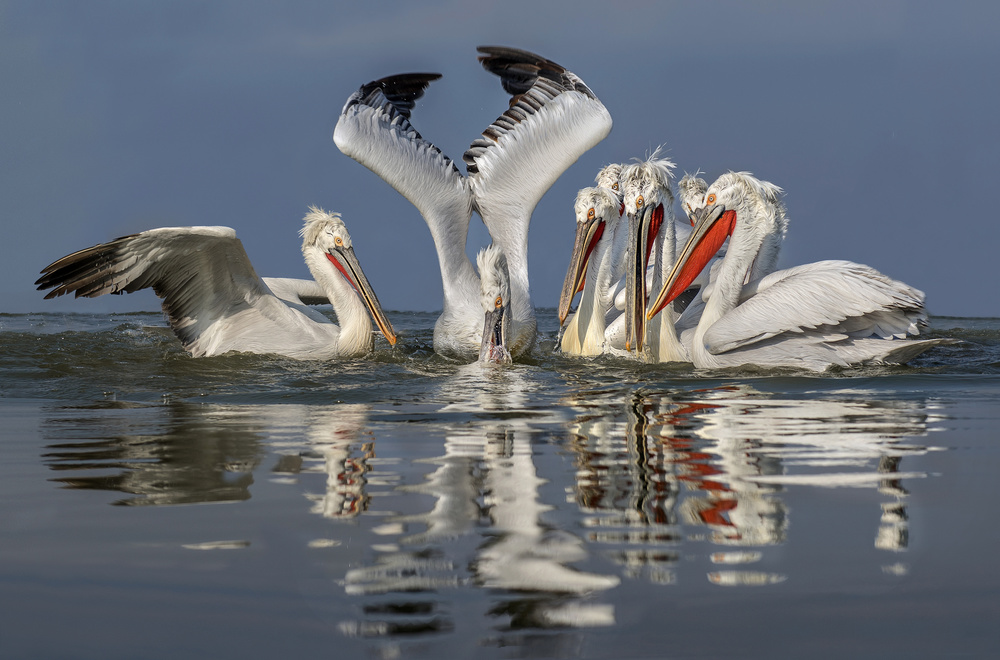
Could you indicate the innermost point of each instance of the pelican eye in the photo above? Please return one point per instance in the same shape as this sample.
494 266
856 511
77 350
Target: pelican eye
591 215
614 186
710 199
338 240
638 202
498 303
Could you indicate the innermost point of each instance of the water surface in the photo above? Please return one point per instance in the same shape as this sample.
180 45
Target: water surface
405 505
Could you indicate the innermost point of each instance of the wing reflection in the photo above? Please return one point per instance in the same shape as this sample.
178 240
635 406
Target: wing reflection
667 469
486 525
174 454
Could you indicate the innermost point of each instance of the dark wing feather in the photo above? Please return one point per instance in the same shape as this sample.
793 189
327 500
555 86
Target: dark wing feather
401 91
202 274
533 82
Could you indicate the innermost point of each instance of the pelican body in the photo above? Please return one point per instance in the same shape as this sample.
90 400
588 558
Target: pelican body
552 120
828 313
215 302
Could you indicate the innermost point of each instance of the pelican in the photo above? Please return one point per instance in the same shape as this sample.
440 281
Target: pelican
500 328
596 265
649 206
216 303
552 120
573 284
810 317
641 183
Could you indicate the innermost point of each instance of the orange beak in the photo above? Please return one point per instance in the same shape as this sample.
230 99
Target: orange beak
714 224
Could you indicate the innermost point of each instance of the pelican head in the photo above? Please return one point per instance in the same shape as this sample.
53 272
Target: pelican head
647 197
691 193
609 177
735 199
326 234
594 208
494 280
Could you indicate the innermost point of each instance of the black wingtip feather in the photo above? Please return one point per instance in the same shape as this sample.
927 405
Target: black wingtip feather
402 90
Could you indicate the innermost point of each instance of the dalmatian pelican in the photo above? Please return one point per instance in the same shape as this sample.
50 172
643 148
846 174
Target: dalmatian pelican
215 302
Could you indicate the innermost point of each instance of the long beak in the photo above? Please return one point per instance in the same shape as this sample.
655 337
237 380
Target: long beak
494 345
347 263
713 225
642 230
588 234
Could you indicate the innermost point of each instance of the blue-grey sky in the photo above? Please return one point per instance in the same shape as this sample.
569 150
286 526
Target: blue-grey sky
881 121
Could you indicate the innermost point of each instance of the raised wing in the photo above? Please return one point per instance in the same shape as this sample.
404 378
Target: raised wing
839 299
553 119
202 274
374 129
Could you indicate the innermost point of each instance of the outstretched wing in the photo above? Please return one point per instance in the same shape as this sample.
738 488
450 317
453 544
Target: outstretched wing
374 129
839 299
553 119
202 274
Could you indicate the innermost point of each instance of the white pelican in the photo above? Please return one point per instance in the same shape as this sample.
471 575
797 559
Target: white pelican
216 303
501 330
809 317
596 265
607 178
552 120
642 183
649 206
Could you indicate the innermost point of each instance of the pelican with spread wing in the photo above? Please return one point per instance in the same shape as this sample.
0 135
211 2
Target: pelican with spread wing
553 118
216 303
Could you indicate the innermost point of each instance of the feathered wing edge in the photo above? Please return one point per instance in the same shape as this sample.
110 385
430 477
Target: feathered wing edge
374 129
183 265
535 83
552 120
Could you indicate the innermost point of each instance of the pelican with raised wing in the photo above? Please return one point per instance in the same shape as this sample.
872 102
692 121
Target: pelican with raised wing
823 314
215 302
552 120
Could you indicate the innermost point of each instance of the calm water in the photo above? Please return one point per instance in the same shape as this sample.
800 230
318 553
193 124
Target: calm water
408 506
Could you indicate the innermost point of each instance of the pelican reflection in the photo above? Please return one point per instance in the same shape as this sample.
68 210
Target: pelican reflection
486 525
337 444
660 473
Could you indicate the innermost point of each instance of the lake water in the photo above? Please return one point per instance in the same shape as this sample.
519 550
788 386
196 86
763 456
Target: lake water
406 506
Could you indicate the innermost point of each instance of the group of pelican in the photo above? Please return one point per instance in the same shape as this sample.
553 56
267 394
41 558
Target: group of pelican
738 311
741 310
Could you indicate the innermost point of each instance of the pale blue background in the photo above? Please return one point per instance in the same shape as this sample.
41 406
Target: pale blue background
880 120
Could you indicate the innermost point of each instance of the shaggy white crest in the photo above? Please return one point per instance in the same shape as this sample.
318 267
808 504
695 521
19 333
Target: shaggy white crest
317 222
651 179
744 193
603 200
610 177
